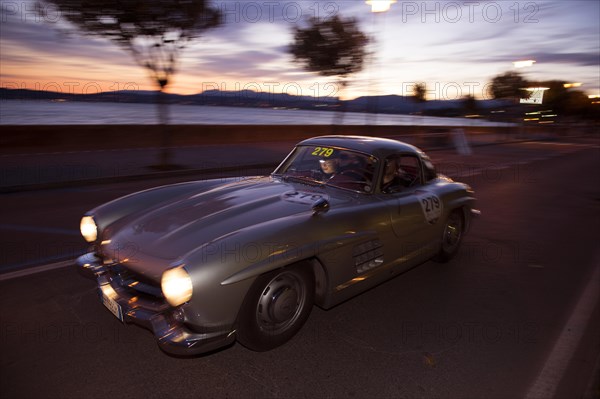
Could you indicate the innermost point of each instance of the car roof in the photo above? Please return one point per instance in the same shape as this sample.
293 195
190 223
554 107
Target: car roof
376 146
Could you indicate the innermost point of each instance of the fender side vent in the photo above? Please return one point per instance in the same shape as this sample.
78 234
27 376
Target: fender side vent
367 255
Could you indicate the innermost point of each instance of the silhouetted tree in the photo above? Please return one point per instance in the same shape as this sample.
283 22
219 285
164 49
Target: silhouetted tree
509 85
418 96
154 32
557 96
469 104
330 47
419 92
581 105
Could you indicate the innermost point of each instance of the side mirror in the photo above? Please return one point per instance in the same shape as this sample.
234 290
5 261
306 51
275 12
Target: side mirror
320 206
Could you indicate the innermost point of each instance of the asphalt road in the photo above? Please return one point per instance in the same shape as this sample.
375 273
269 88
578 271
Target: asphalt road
487 324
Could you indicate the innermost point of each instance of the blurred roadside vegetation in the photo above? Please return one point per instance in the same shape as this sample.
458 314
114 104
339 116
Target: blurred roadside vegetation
156 32
153 32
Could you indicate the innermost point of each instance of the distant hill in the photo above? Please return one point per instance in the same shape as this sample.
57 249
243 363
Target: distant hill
388 104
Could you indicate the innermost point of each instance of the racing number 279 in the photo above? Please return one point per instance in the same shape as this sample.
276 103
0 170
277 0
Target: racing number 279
430 204
322 151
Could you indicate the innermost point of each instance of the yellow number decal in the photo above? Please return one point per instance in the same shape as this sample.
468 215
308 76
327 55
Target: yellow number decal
322 152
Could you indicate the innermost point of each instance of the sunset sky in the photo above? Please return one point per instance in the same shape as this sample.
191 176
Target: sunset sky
455 47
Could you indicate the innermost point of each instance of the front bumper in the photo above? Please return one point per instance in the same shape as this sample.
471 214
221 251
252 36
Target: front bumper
166 322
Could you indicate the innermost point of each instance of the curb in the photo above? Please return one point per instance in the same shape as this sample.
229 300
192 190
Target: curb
36 269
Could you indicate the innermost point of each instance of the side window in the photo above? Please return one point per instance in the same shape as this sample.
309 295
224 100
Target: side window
428 169
400 172
410 170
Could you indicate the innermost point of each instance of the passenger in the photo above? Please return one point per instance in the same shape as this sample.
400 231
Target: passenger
392 181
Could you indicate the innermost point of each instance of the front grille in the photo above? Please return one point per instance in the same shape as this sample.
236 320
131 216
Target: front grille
135 283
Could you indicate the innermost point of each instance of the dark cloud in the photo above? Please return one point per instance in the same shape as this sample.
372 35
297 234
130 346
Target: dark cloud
248 63
50 38
580 59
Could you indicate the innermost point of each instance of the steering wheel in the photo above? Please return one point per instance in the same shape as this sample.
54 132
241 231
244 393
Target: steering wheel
360 175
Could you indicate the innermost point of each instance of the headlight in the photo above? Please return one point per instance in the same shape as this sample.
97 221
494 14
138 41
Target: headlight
176 286
88 228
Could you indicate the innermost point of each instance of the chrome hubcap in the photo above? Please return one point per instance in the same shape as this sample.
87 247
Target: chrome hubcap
281 303
452 232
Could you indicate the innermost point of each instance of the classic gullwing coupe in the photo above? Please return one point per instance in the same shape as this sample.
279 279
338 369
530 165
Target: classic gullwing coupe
205 263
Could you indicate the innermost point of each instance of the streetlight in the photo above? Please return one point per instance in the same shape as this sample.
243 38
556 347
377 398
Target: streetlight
523 64
570 85
535 95
380 5
377 7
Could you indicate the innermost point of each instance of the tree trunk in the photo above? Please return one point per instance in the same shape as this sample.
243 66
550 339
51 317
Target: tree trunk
338 120
163 120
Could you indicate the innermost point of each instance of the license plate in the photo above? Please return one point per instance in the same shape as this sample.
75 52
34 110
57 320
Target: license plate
113 306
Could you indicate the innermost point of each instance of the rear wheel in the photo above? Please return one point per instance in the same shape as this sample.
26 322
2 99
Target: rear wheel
452 236
276 307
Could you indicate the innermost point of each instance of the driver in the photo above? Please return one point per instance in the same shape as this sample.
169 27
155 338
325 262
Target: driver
329 167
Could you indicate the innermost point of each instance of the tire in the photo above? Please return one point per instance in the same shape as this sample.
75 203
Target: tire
276 307
454 229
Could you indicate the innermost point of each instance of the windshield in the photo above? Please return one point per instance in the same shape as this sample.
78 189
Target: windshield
332 166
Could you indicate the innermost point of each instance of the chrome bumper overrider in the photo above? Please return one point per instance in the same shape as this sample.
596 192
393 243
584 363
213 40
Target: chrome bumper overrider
163 320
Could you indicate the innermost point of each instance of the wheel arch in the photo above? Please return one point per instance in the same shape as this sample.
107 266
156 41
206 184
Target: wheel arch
321 280
268 308
464 206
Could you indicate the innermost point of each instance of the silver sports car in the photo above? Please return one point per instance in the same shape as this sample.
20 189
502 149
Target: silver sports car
205 263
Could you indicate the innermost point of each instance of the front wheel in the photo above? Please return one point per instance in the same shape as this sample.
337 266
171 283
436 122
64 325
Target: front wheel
276 307
452 236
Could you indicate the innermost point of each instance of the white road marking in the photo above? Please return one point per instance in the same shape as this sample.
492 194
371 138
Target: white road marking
39 229
35 270
555 366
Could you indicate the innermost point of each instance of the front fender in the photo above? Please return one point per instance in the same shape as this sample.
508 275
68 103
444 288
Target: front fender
227 267
288 254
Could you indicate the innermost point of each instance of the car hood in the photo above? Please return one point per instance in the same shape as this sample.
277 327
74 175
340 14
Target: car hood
172 229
